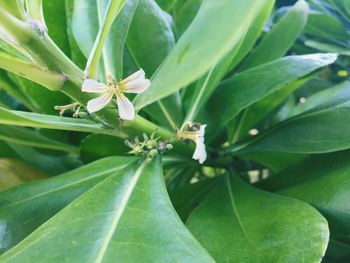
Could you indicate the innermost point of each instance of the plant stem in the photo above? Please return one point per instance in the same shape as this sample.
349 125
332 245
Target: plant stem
113 9
16 28
13 7
70 78
40 75
35 12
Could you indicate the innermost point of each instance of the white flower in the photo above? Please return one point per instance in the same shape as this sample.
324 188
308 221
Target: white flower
135 83
200 153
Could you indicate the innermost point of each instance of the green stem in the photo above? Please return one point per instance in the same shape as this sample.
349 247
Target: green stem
106 63
113 9
45 51
16 28
35 12
13 7
40 75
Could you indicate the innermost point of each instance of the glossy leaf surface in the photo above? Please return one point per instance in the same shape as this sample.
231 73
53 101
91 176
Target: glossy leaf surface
131 224
237 218
26 207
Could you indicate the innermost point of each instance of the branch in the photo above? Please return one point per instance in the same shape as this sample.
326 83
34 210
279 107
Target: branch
113 9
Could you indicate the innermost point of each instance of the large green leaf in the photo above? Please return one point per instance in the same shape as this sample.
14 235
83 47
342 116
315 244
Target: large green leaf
187 61
281 37
307 181
237 223
26 207
126 218
252 85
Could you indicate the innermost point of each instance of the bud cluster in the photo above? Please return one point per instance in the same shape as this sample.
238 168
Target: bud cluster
149 147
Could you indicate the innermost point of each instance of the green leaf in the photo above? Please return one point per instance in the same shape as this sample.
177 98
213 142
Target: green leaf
237 223
321 25
250 86
32 138
86 19
281 38
117 38
42 99
57 24
22 118
26 207
308 131
135 221
166 4
256 113
187 196
184 13
253 32
76 54
186 62
307 180
106 13
15 172
10 87
51 164
207 84
324 46
97 146
150 39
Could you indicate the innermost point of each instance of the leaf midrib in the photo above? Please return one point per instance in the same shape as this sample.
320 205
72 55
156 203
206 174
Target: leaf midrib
63 187
119 211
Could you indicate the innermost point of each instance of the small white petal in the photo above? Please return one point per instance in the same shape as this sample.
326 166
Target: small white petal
201 131
125 108
136 75
99 102
135 83
93 86
200 153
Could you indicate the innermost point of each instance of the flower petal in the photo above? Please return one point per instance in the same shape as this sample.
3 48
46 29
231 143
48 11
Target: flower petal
125 107
201 131
200 153
135 83
93 86
138 74
99 102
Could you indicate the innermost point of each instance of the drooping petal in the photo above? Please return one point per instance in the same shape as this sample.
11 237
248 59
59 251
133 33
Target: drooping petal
125 107
201 131
99 102
200 153
135 83
93 86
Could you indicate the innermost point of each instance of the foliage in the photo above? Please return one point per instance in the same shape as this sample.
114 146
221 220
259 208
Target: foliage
255 93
